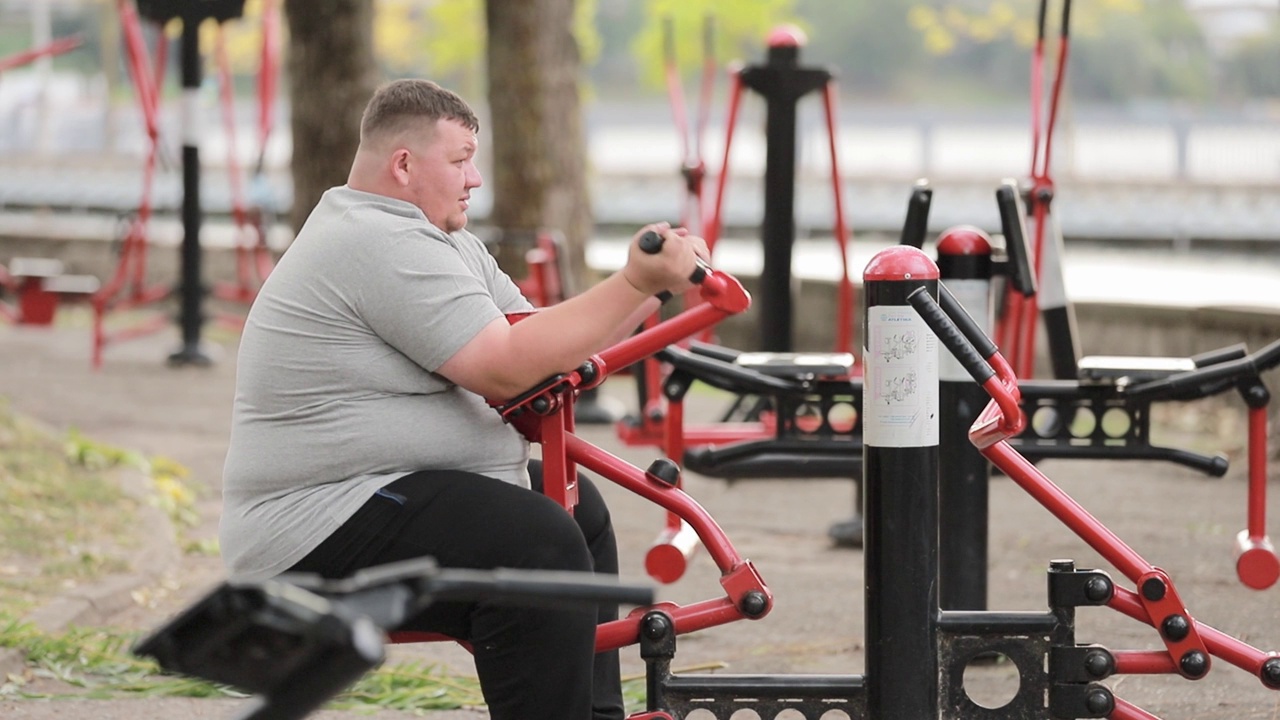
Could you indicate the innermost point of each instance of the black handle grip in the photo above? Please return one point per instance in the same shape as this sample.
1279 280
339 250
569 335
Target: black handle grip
917 222
963 320
950 335
1040 20
1013 225
1210 379
1221 355
1066 19
651 242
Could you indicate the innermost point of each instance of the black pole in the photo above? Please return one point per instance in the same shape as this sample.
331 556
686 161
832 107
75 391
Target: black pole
900 473
964 266
782 82
191 316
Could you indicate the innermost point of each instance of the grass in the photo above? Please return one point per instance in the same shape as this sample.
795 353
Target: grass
97 664
66 518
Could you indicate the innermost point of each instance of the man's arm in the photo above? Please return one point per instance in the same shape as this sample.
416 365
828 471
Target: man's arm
504 360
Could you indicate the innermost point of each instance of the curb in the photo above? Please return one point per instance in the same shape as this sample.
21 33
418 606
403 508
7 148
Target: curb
97 602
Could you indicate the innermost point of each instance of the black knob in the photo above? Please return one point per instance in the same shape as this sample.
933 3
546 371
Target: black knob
1099 664
651 242
665 470
754 604
1176 628
540 405
1271 673
1098 589
656 626
1099 702
1153 589
1194 664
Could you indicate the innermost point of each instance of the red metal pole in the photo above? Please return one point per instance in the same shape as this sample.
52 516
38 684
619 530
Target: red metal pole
57 47
844 306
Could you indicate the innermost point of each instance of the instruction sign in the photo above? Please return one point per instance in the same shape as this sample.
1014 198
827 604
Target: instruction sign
900 379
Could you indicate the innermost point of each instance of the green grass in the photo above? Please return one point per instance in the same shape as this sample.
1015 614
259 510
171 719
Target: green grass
97 663
66 518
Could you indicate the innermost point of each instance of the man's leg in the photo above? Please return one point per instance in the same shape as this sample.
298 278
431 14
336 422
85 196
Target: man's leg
592 516
533 663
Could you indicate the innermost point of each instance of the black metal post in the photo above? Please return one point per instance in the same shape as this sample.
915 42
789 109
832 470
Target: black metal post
964 266
191 288
900 473
191 315
782 82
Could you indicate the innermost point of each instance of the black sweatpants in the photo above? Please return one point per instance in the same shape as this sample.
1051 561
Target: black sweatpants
533 663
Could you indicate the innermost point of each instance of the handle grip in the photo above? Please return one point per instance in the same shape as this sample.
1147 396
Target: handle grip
917 222
1013 225
951 335
651 243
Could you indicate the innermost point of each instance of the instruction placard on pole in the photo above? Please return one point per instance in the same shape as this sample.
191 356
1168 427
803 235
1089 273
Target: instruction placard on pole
900 383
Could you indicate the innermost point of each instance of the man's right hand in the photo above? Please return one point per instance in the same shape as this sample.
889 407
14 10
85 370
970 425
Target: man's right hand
669 269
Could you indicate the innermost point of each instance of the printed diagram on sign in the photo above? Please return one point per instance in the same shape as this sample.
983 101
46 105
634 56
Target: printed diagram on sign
898 346
899 388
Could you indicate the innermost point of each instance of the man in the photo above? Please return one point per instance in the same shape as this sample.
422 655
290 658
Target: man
360 431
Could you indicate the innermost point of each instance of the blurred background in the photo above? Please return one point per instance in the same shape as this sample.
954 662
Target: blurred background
1167 134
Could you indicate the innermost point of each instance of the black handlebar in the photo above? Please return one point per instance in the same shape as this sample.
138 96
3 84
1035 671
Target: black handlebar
953 326
1013 225
1212 378
916 225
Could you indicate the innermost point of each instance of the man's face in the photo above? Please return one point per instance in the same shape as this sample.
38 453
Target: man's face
444 173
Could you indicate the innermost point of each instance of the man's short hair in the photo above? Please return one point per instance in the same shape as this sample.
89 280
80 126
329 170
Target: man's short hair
400 102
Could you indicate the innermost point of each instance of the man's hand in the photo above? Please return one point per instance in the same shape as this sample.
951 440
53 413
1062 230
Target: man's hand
669 269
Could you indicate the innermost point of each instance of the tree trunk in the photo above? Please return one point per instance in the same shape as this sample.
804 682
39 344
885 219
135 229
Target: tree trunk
539 150
332 74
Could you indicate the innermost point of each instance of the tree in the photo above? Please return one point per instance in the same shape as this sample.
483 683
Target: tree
539 149
331 75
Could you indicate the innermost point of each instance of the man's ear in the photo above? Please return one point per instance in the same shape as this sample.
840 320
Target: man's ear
400 160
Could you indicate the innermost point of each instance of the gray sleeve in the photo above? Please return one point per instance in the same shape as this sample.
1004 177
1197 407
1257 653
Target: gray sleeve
423 299
506 294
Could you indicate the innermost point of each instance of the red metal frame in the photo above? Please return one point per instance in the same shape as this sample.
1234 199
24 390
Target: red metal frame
57 47
1017 329
253 258
1158 599
128 288
546 416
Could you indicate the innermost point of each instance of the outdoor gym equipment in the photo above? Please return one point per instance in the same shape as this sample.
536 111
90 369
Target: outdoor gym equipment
916 652
36 284
545 415
298 640
210 639
1017 329
782 82
128 287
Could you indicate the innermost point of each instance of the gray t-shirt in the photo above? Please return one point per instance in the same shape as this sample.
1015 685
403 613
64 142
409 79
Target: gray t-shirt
336 394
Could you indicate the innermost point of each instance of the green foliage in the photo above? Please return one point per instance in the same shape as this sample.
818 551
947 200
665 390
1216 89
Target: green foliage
1251 71
445 39
741 27
1157 53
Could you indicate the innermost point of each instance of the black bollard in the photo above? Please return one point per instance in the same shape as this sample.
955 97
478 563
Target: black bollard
900 473
192 290
964 266
782 82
